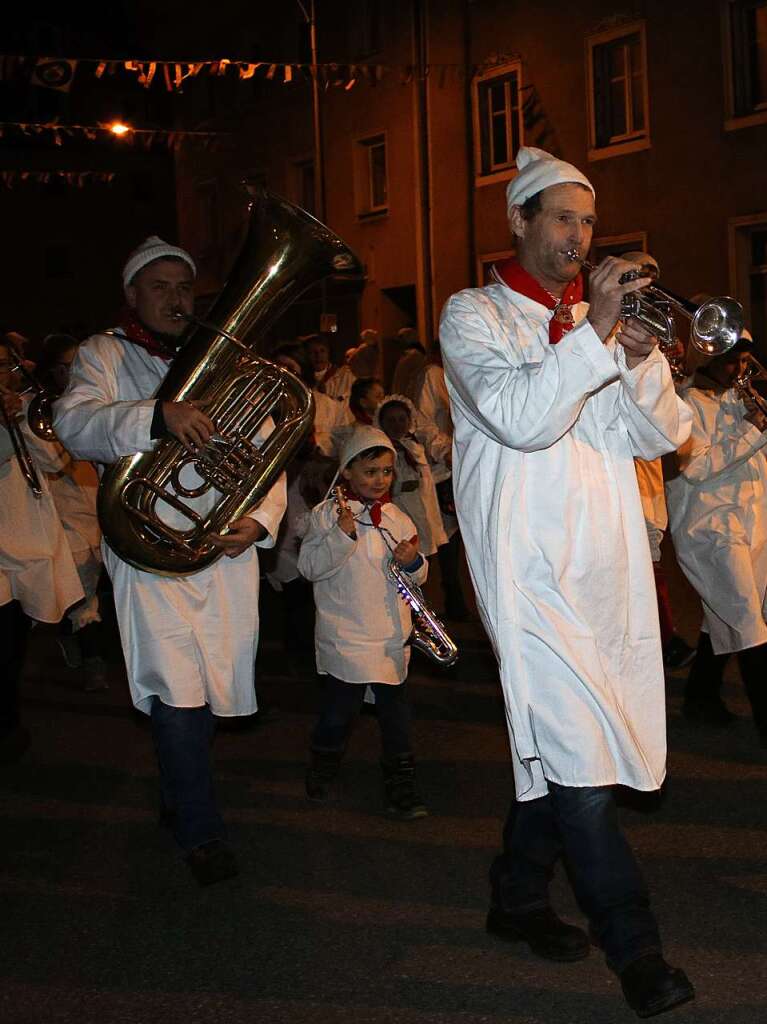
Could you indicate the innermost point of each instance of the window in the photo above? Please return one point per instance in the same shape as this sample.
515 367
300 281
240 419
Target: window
745 62
498 126
370 172
366 28
748 272
617 81
616 245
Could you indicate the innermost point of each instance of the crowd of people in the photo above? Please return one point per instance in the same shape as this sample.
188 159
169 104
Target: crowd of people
544 433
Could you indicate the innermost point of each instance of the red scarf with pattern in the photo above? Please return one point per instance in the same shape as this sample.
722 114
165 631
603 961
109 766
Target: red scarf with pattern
138 334
373 507
516 277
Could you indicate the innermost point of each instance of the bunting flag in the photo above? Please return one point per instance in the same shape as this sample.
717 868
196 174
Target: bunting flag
59 72
13 177
59 132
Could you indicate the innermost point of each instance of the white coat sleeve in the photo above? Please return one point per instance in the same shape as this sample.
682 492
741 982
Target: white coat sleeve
437 445
656 418
271 510
520 405
705 457
90 421
325 547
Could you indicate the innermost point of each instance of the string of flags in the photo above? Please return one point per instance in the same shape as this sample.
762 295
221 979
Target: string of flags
10 178
171 137
59 72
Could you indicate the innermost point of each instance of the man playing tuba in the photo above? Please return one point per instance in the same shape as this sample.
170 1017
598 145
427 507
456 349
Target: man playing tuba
189 641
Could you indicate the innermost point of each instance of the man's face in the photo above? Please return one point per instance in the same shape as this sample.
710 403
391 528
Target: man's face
565 221
370 478
319 354
160 289
61 369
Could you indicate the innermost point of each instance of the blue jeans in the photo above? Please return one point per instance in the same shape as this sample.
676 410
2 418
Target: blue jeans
581 826
183 739
342 702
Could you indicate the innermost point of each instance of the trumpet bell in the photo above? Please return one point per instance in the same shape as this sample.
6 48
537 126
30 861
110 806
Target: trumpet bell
717 325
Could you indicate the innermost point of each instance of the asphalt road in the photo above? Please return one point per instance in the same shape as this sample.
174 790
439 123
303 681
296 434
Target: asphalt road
341 915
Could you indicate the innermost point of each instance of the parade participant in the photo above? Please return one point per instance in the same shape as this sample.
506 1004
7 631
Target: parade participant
410 363
38 578
363 624
189 641
549 413
719 528
329 414
74 486
365 359
413 489
366 395
333 381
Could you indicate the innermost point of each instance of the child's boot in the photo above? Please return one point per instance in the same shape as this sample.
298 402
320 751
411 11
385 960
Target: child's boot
402 797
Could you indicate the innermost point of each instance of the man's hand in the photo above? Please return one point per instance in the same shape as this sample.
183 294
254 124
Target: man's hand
606 293
242 533
405 553
188 423
637 342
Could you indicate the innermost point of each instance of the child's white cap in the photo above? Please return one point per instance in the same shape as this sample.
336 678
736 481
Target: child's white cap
360 439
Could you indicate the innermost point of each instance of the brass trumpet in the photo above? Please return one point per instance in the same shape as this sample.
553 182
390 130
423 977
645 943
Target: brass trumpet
715 325
24 459
39 410
744 384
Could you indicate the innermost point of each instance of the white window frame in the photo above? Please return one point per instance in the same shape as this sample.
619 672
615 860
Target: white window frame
362 162
733 121
502 173
634 141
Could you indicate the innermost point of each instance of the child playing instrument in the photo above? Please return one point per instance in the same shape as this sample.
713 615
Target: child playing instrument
363 624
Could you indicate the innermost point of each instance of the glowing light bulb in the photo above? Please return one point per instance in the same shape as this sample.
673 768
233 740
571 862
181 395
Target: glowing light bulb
119 129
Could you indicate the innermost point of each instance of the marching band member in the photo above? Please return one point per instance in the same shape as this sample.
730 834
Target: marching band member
719 527
363 624
38 577
549 413
333 381
189 641
413 488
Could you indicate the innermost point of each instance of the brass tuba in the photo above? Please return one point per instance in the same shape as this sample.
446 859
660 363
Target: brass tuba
143 501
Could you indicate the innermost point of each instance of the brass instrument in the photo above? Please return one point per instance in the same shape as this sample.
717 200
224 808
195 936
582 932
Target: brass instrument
39 409
715 325
285 252
428 635
744 383
24 459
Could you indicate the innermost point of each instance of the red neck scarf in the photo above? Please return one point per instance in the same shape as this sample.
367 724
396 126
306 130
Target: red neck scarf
374 507
517 278
138 334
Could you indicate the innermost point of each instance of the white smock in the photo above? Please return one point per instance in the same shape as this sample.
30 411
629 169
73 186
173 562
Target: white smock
188 640
36 564
363 625
336 382
433 403
329 416
718 516
547 498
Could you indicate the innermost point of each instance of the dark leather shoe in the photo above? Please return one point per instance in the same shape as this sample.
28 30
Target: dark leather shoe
212 862
651 986
546 934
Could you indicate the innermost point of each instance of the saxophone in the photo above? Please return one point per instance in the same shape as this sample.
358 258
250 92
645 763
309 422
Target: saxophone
286 251
429 635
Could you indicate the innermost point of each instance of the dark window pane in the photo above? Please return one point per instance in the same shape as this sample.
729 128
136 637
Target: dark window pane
378 175
500 152
497 98
617 60
618 106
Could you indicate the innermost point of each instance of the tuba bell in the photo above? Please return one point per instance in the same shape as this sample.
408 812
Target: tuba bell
143 502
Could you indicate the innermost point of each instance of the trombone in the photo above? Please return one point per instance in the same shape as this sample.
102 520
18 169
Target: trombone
715 325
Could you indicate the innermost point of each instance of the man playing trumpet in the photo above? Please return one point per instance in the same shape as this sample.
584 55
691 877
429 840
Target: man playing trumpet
550 407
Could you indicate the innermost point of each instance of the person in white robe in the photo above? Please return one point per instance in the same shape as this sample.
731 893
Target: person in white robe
718 515
363 624
410 363
417 443
189 642
549 415
38 577
331 379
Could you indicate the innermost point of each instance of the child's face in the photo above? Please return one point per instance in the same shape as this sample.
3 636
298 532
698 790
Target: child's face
370 478
395 421
373 398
